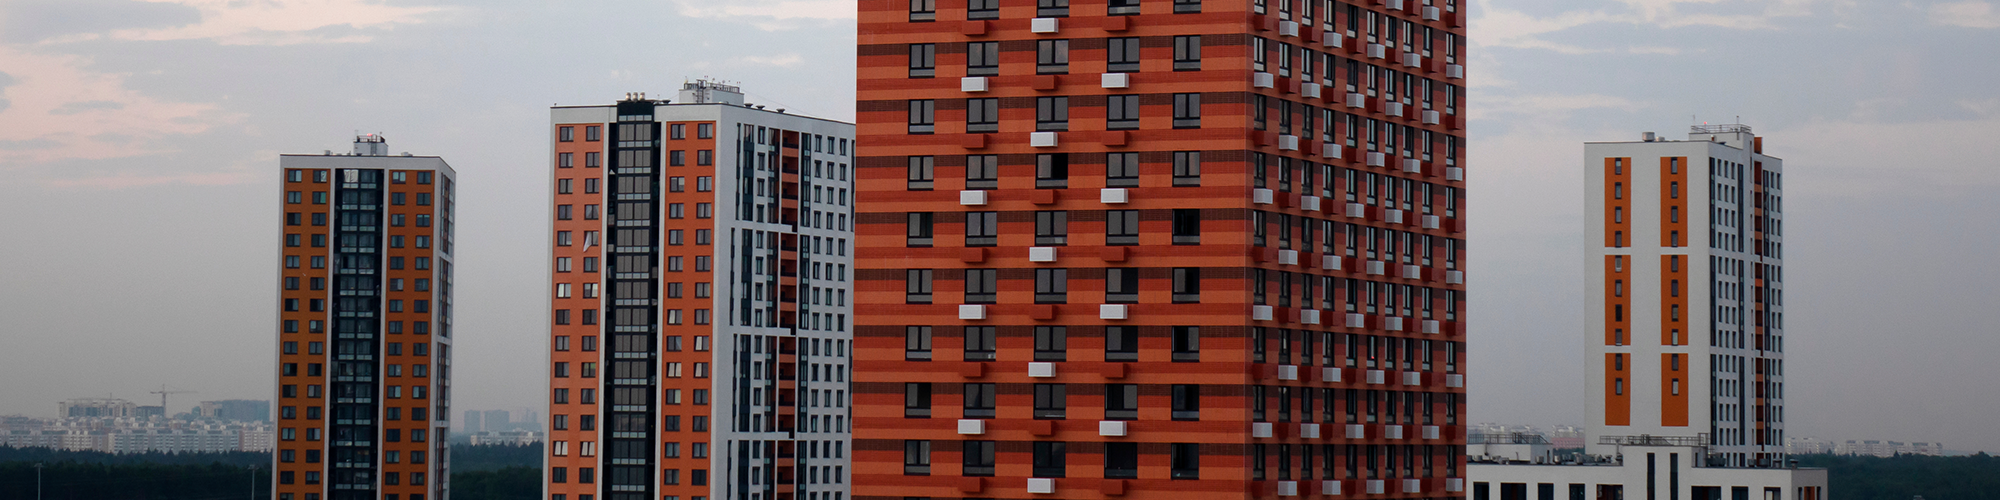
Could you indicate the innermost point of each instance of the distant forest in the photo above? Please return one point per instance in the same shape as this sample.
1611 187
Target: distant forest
507 472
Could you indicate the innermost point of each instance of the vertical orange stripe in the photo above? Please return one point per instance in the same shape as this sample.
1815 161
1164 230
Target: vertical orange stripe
1617 403
1673 407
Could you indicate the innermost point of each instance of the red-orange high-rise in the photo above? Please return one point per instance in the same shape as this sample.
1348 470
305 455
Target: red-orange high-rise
364 342
1176 249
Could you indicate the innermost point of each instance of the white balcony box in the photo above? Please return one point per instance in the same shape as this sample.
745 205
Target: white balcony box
1431 432
1041 485
1430 117
1378 377
1375 486
1377 51
1357 210
1412 59
971 427
1393 216
1392 431
1411 165
1288 372
1288 488
1356 100
1332 38
1260 429
1309 90
1309 203
1309 431
1111 428
1413 378
1263 80
1413 485
1112 311
1329 262
1454 71
1430 326
972 311
1288 28
1114 195
1288 142
1454 174
1262 196
1357 431
972 84
1260 313
1454 485
1411 271
1356 320
1454 277
1329 487
1377 159
1431 14
1378 268
1395 4
1042 139
1393 108
1041 254
972 198
1115 80
1454 380
1430 222
1288 257
1329 374
1329 151
1309 316
1392 323
1044 25
1041 370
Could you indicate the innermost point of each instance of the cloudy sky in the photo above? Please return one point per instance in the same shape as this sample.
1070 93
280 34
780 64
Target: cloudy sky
139 143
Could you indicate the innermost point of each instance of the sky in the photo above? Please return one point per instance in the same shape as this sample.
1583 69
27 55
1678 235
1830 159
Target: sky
139 143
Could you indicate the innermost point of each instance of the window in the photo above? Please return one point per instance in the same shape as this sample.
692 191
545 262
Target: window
1187 51
1121 401
1186 457
979 400
916 458
980 342
978 458
1187 110
1121 227
920 229
1121 285
982 172
918 286
1052 170
593 133
1051 57
917 343
1051 459
1187 343
923 60
922 172
704 131
917 399
704 157
1052 227
1187 284
1187 226
1122 56
982 229
982 115
565 160
568 134
1051 8
1186 402
1051 343
1051 401
1122 7
1122 113
592 160
1121 169
922 116
1051 286
1187 168
982 58
982 286
1051 113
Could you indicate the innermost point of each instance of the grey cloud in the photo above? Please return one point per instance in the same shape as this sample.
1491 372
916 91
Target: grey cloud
30 144
82 106
28 21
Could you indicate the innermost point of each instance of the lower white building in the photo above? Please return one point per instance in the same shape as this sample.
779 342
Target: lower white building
1643 468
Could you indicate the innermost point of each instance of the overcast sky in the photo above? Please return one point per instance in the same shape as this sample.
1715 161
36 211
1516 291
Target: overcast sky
139 143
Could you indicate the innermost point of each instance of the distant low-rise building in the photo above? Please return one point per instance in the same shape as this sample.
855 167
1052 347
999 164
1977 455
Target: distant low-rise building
504 437
96 407
249 410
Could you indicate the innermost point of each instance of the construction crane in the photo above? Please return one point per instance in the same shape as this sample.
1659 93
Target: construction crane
163 392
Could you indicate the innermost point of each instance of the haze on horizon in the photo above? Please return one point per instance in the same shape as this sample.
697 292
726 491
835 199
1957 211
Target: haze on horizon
139 143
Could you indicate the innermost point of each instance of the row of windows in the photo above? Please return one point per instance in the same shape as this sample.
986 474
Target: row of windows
638 237
1283 403
320 197
926 10
1052 285
589 396
1121 460
591 133
1052 113
323 176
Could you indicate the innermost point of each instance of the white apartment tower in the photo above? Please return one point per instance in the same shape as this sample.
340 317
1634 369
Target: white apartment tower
1686 259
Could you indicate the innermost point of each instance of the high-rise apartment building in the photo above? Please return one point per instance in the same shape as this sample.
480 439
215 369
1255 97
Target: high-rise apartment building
1188 249
364 361
1686 251
700 328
